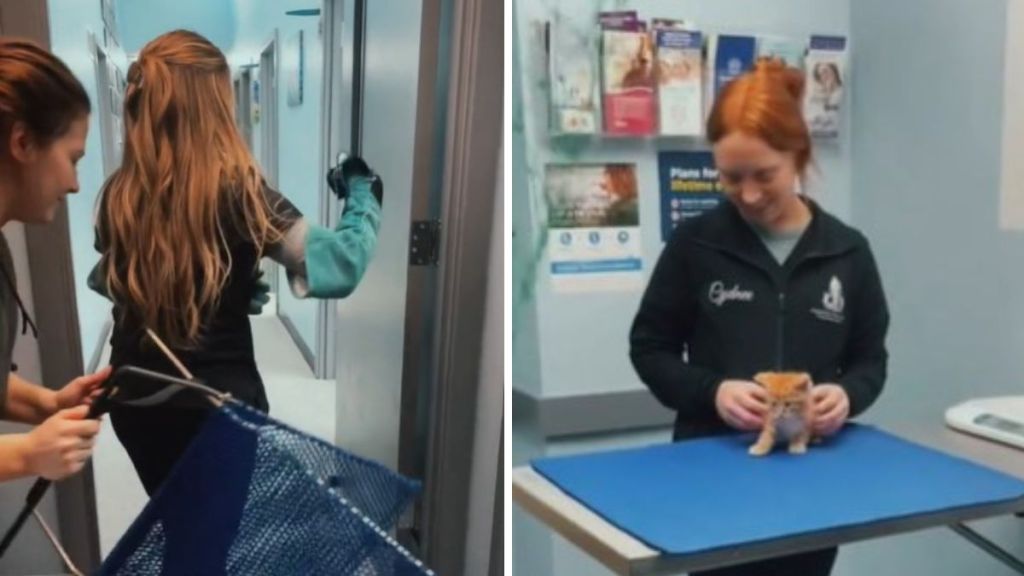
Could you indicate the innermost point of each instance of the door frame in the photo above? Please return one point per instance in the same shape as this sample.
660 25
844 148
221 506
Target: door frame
243 103
473 141
335 138
269 113
105 105
343 25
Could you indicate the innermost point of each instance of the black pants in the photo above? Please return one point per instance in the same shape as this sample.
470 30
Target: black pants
816 563
156 437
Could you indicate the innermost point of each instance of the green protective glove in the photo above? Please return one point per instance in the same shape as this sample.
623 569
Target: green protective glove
342 177
337 259
260 295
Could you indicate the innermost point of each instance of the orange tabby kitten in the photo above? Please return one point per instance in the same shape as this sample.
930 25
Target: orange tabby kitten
789 411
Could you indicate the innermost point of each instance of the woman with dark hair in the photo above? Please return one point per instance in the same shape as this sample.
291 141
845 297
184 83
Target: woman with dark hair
44 118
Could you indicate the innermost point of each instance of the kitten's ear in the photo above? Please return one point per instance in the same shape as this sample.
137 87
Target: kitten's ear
805 383
762 377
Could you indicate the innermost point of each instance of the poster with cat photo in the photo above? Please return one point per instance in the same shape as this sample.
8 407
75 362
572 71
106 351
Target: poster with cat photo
628 74
594 242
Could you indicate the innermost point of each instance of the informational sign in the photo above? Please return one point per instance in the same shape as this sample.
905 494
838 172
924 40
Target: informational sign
593 227
689 187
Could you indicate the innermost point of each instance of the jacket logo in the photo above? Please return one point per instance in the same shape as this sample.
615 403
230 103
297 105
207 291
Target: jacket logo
833 300
718 294
833 303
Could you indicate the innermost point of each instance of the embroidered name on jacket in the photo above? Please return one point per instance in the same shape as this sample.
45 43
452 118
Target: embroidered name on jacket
718 294
832 303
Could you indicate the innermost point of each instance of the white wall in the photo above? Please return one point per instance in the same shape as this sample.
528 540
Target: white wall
927 157
1011 206
141 21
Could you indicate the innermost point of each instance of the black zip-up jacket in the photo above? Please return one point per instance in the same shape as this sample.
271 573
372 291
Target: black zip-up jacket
719 307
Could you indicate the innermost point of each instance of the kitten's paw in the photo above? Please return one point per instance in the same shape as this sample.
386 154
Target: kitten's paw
759 450
797 448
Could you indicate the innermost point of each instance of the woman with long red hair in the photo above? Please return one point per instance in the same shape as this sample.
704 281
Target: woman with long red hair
768 281
181 228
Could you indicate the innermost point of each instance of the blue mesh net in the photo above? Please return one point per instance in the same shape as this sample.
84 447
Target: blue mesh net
254 497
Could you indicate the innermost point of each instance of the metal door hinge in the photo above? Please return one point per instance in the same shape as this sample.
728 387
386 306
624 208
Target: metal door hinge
424 243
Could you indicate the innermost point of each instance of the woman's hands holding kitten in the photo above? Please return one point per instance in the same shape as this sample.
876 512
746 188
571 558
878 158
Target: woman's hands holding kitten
742 405
830 407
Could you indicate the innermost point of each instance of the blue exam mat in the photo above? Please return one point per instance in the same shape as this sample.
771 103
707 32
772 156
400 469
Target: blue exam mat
705 494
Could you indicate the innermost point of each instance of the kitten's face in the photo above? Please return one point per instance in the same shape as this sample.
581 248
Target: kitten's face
785 387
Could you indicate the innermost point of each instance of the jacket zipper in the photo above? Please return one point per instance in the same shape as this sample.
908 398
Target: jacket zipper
780 331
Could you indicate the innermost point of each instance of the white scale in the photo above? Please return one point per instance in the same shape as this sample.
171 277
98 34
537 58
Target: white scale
1000 419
